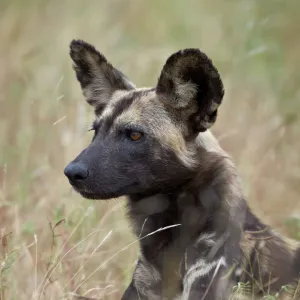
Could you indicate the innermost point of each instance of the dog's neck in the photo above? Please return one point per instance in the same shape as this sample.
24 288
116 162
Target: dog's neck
188 211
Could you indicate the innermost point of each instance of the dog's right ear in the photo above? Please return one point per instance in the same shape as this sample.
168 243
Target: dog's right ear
97 77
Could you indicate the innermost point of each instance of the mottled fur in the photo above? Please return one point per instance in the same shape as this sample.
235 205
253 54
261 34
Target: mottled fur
178 178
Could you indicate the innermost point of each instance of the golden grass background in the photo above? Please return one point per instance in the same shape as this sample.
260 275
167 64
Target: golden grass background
54 242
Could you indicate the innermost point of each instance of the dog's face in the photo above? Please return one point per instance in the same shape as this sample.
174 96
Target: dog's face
144 140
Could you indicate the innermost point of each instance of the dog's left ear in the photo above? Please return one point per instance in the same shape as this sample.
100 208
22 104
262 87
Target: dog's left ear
190 82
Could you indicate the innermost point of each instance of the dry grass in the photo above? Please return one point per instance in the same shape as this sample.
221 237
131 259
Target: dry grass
52 241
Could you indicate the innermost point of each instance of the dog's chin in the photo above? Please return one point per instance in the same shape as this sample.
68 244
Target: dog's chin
95 196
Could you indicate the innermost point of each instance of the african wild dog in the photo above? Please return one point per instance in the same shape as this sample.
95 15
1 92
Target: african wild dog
153 145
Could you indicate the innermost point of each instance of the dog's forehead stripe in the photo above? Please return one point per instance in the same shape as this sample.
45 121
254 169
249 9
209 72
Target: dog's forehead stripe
122 105
118 108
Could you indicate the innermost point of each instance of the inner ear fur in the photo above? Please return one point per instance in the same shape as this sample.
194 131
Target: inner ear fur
97 77
189 81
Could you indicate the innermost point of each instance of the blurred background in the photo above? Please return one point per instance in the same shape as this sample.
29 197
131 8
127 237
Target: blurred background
53 242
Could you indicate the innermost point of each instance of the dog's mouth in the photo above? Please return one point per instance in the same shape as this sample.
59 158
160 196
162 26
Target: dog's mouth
103 195
95 196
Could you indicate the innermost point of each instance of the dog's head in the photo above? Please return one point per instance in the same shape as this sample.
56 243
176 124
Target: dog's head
145 138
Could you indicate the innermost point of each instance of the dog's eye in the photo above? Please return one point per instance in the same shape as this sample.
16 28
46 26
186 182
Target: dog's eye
135 135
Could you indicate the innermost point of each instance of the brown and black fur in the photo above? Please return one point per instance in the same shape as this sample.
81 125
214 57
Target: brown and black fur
201 240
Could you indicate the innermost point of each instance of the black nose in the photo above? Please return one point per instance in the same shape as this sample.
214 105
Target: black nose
76 171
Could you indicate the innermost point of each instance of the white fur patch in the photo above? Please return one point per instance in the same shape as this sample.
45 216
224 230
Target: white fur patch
238 272
207 238
207 141
198 270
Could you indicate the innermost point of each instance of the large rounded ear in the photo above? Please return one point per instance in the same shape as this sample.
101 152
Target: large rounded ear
97 77
190 82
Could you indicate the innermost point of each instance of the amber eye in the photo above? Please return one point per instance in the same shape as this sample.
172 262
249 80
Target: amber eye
135 135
